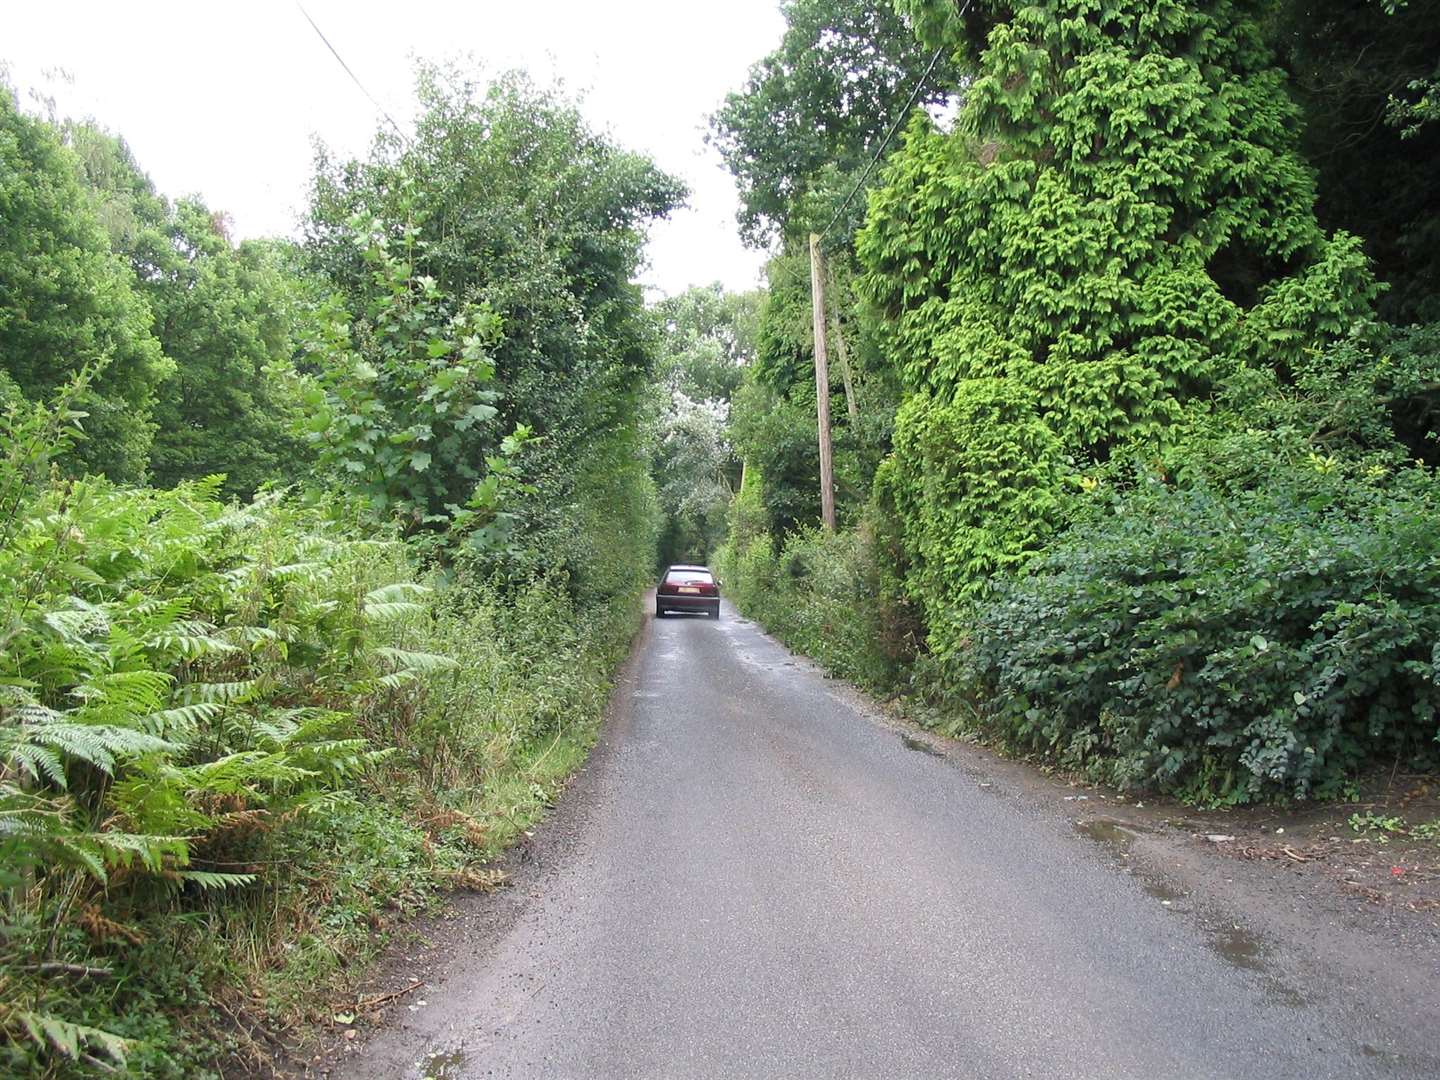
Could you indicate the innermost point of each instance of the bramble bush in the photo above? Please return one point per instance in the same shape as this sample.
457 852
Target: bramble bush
1224 644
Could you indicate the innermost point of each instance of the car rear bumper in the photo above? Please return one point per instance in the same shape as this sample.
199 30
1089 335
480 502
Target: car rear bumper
709 605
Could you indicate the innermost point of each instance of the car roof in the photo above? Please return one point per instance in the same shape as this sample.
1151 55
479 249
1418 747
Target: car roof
686 566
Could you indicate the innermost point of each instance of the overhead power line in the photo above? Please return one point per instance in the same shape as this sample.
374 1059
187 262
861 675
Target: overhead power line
355 78
894 127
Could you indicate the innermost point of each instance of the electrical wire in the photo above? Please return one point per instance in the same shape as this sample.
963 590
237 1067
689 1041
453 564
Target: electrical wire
899 119
355 78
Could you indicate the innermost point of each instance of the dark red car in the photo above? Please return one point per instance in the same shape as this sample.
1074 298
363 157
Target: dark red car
688 588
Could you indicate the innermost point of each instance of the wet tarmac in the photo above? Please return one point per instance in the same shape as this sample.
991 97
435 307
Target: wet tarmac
756 877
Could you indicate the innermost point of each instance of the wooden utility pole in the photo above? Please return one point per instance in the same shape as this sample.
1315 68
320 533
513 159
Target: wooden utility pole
822 384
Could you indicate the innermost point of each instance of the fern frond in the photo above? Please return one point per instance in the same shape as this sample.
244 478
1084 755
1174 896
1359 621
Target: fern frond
235 772
421 662
37 762
77 621
99 745
189 646
124 693
109 849
283 727
222 693
181 720
208 879
52 1032
393 593
389 612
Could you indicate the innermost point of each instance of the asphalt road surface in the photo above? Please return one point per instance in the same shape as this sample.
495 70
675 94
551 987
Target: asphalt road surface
758 876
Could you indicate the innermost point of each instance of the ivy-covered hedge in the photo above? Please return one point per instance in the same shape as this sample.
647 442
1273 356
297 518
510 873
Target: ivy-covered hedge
1119 218
1227 646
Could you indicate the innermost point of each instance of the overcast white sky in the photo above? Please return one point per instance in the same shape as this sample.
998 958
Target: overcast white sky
221 98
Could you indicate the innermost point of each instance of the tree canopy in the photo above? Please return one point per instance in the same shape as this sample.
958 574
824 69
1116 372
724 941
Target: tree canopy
226 315
815 110
68 302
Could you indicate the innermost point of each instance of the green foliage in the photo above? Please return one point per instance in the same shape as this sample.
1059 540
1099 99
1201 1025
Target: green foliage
236 738
773 415
1247 614
692 466
776 436
814 110
1225 645
977 483
212 714
67 303
401 406
822 595
515 208
227 316
1159 487
1118 221
707 337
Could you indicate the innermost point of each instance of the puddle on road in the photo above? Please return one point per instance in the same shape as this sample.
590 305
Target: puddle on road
912 743
1241 949
1109 833
447 1066
1161 891
1238 947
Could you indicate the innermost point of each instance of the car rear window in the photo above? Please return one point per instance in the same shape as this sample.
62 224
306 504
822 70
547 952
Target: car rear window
689 577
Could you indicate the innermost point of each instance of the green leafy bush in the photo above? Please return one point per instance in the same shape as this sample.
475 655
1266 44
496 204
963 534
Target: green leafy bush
67 303
822 594
1228 645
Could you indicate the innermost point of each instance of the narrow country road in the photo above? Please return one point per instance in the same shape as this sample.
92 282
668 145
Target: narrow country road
757 876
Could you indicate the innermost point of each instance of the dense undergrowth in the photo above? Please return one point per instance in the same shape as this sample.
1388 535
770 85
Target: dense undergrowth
1237 618
823 595
239 739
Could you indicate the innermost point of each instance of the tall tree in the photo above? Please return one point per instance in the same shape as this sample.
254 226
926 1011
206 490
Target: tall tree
509 204
228 316
707 337
815 110
68 302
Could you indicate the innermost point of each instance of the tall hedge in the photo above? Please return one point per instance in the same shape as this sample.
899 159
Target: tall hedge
1117 220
